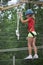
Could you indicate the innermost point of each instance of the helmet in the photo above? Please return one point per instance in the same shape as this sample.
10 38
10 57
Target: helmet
29 11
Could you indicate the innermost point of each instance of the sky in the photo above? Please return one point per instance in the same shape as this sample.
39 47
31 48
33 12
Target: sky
12 2
40 0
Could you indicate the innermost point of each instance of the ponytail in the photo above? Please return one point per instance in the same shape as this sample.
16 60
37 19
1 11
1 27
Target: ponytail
33 16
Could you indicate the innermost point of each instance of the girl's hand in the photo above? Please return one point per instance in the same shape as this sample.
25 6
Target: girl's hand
21 18
20 14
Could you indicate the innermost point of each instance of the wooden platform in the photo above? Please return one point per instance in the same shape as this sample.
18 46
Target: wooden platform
29 62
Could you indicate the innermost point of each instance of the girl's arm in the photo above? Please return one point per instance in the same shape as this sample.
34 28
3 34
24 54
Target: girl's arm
22 20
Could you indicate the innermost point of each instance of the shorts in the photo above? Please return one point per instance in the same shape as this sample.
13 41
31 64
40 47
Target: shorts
32 34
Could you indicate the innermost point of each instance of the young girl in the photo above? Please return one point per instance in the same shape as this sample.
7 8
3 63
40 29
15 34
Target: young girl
31 33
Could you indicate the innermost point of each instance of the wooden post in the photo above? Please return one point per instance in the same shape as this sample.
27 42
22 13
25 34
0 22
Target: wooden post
13 60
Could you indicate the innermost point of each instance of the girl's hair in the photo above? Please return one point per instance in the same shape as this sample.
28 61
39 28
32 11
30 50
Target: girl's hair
32 15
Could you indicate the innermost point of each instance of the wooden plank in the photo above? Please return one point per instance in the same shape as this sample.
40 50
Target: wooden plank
22 1
8 7
18 49
34 2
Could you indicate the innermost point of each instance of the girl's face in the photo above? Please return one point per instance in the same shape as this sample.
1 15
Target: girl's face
27 16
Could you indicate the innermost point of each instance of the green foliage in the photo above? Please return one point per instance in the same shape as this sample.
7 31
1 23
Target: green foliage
8 37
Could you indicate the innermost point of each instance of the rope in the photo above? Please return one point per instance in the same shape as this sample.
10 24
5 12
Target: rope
17 31
19 10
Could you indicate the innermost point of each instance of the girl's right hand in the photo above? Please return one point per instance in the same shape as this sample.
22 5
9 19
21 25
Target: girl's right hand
20 14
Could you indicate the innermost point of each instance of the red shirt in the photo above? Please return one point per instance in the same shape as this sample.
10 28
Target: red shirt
31 24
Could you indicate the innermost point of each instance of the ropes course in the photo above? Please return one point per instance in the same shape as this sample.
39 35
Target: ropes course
19 10
2 8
